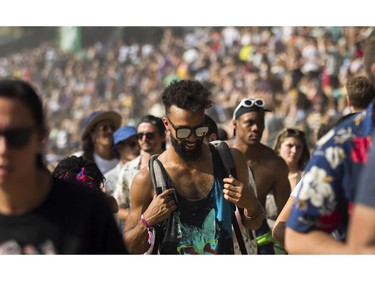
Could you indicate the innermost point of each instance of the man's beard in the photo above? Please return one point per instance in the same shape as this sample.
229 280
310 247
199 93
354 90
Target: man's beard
186 155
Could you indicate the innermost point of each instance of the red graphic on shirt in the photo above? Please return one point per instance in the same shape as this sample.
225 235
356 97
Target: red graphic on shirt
360 148
330 222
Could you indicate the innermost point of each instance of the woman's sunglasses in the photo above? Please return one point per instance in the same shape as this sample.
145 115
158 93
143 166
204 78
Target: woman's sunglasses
18 137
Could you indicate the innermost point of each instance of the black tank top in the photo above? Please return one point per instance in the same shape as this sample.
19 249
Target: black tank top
201 226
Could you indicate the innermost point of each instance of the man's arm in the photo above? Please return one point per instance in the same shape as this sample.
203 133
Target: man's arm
314 216
154 208
239 192
361 229
361 233
313 242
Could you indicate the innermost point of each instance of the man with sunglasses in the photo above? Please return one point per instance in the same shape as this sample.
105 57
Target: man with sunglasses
193 214
270 170
150 137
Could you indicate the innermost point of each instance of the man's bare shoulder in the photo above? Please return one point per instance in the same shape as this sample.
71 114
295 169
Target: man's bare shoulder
269 155
230 142
142 183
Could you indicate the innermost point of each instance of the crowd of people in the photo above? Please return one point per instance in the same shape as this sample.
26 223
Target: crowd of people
294 105
301 72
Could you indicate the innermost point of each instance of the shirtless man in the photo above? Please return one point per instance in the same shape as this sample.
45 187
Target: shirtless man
197 207
270 170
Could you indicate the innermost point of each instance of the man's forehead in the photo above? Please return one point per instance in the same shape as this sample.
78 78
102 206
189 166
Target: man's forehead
145 126
178 112
253 115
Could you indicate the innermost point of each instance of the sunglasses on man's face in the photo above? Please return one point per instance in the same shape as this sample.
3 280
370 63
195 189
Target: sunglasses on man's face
18 137
185 132
149 136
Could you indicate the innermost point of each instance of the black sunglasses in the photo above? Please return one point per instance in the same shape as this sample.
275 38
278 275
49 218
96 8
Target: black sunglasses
106 128
149 136
184 132
18 137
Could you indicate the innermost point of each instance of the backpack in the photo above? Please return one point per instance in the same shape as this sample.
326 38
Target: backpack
158 173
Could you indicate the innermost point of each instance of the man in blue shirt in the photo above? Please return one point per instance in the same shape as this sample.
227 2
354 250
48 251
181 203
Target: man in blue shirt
361 231
319 218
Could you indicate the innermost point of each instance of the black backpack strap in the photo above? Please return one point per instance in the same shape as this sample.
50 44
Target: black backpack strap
227 160
157 174
159 182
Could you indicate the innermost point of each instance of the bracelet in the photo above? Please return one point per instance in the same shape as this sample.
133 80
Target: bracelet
256 214
149 229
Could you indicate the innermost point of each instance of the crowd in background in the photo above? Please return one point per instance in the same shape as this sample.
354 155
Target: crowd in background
301 72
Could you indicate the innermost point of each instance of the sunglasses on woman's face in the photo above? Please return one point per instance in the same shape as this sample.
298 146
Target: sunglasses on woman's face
18 137
106 128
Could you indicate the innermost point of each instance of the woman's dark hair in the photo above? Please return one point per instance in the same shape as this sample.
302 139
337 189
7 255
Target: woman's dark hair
23 91
186 94
88 147
294 133
68 169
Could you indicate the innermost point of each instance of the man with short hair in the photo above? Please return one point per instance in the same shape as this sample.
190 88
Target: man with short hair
328 189
360 93
269 169
195 211
361 232
151 140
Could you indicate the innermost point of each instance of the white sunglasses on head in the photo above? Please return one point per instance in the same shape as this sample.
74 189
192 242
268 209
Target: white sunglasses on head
249 103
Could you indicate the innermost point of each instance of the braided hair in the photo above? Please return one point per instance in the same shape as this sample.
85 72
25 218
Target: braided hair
79 170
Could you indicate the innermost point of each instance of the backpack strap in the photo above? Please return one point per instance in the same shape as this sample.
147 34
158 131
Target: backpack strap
157 174
158 177
226 158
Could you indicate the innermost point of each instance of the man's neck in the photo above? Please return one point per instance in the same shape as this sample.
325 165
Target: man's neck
247 150
173 156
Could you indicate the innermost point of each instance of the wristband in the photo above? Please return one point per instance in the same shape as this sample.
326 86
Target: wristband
149 229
